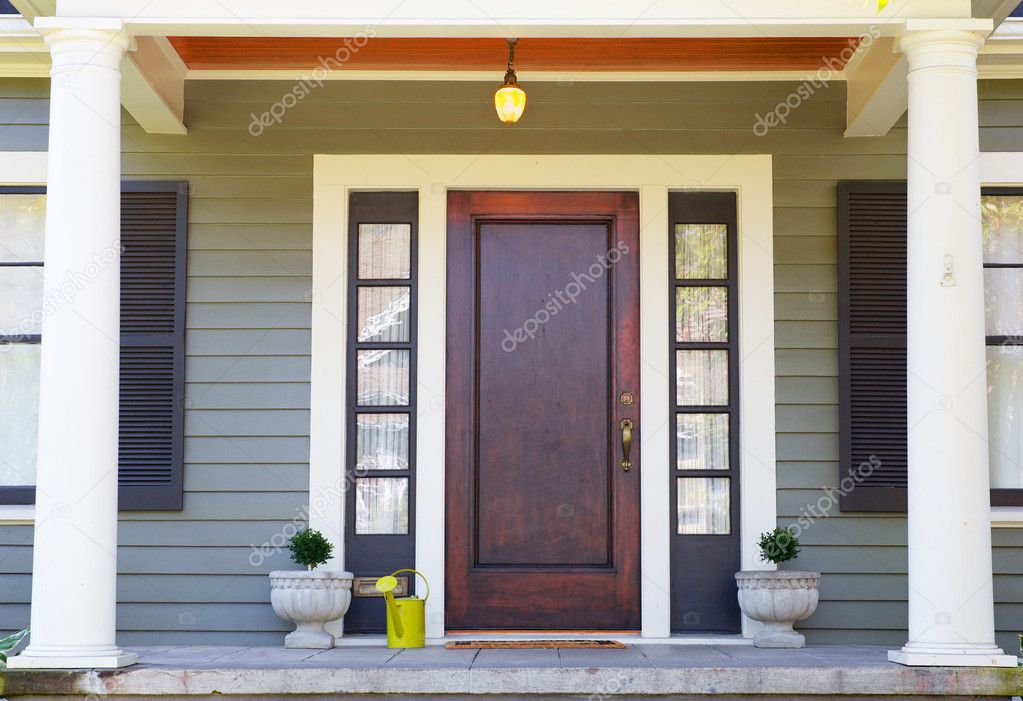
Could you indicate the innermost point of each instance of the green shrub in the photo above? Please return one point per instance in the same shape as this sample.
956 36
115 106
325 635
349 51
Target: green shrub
779 545
9 643
310 548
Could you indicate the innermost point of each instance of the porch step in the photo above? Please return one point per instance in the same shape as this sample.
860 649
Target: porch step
636 672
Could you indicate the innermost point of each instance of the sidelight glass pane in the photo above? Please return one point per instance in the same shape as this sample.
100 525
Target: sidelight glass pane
382 377
381 506
702 377
385 251
383 314
381 442
701 251
701 314
702 442
1002 217
22 224
1005 416
1003 301
19 413
703 506
21 300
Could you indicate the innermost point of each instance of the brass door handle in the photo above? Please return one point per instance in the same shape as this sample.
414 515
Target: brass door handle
626 426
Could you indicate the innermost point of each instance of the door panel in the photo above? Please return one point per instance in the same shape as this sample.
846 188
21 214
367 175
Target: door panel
542 521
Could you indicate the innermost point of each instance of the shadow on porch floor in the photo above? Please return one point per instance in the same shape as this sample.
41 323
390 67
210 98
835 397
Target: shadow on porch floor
636 671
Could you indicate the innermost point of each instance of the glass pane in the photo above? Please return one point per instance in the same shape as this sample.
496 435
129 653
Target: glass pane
1002 217
1005 415
702 441
385 251
1003 301
22 224
19 411
703 506
21 300
383 377
384 314
381 442
701 251
702 377
381 505
701 314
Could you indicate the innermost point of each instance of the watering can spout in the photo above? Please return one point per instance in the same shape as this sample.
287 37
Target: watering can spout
406 617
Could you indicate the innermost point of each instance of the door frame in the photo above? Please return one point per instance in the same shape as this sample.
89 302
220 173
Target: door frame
653 176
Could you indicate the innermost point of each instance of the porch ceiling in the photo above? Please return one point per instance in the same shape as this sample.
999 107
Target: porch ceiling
531 54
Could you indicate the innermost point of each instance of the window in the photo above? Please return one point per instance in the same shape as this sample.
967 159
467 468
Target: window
22 227
152 265
1002 216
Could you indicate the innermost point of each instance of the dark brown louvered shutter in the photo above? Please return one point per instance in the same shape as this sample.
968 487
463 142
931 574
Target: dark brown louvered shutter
153 225
872 345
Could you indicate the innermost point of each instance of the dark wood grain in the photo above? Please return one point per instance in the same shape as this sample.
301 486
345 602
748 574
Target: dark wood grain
542 523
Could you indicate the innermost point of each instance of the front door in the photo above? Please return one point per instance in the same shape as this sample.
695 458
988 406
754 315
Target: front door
542 523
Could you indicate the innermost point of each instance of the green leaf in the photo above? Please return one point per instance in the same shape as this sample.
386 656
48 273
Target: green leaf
881 4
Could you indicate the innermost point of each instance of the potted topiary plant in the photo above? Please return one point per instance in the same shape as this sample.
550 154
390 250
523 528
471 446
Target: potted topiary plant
312 597
778 598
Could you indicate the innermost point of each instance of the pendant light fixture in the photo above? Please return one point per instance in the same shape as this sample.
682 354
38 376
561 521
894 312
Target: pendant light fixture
510 99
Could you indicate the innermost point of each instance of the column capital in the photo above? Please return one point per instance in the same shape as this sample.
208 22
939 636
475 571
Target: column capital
944 44
76 43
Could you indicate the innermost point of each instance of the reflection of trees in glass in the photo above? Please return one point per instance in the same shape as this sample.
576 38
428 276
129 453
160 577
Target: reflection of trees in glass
701 314
1002 228
701 251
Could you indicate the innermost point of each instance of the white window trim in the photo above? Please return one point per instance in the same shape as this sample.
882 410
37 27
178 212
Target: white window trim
1003 169
21 168
334 177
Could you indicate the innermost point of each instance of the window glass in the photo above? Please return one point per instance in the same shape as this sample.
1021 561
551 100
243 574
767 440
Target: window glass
22 224
703 507
19 412
701 251
381 442
21 300
701 314
385 251
382 377
383 314
381 506
702 442
702 377
1002 228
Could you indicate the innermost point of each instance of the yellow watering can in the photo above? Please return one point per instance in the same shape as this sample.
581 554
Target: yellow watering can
406 617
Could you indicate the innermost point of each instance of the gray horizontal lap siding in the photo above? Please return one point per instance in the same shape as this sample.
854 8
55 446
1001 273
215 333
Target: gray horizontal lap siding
187 578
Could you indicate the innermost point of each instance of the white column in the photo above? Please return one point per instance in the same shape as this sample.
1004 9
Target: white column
75 550
951 610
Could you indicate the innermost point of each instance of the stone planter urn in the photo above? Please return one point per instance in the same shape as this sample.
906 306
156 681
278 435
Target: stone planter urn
310 598
778 599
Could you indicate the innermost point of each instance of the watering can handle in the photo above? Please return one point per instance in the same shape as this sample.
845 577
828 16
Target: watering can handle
425 580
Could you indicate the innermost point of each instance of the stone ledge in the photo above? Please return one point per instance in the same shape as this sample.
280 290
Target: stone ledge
609 681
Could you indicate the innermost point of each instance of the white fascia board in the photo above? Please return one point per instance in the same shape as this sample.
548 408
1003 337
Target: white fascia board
30 9
878 92
528 18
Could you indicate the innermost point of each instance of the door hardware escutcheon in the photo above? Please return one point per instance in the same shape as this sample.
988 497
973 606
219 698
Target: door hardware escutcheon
626 426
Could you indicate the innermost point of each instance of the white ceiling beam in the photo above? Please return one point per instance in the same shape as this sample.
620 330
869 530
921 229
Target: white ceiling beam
877 90
30 9
153 86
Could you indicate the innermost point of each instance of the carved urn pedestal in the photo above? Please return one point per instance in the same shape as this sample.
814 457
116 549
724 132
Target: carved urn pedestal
778 599
310 599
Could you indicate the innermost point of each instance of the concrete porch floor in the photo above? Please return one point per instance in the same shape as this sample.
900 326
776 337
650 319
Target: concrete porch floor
434 672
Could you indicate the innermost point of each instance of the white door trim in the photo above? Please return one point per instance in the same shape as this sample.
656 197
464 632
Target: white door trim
653 177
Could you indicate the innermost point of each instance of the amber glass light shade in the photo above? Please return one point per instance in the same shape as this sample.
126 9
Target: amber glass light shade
510 102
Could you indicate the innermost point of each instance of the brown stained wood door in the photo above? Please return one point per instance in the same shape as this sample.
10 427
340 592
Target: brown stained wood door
542 523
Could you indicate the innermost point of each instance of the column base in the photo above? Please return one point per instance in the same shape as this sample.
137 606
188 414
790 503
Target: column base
963 656
49 659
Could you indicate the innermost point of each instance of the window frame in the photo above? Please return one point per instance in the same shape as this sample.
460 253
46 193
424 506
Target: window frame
20 495
1003 497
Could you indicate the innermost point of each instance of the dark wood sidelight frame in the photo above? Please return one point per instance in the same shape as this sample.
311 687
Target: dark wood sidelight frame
373 555
703 590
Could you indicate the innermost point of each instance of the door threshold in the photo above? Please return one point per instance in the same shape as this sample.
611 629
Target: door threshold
629 638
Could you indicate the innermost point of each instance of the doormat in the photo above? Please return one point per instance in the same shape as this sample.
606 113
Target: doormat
531 644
